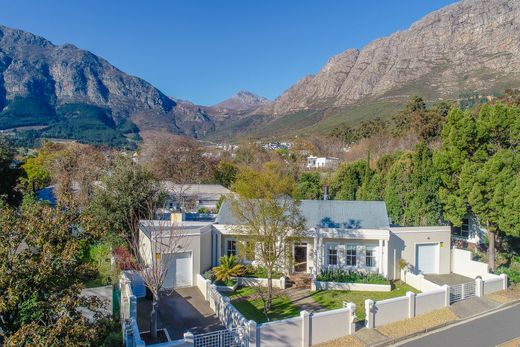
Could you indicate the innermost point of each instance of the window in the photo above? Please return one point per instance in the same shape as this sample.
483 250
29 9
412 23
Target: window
463 230
332 254
351 253
231 247
370 256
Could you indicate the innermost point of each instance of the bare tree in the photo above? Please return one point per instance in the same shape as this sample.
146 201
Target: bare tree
154 243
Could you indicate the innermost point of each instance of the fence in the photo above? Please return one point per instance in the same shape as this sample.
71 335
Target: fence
462 291
221 338
128 305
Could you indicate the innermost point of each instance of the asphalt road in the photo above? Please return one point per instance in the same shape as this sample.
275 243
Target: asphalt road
490 330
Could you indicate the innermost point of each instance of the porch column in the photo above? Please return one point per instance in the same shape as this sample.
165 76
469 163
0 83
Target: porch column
380 257
219 247
386 256
315 257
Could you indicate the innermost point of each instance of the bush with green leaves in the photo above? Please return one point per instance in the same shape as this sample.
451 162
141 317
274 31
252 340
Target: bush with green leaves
259 272
350 276
512 274
229 267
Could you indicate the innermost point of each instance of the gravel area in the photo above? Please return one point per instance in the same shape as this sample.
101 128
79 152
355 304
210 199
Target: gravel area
350 341
505 296
425 321
512 343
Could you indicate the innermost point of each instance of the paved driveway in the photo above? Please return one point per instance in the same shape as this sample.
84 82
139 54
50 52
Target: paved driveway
449 279
179 311
490 330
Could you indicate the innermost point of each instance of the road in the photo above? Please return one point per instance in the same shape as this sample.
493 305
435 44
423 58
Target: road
490 330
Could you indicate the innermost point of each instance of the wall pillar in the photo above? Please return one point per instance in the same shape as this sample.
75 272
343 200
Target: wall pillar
219 247
305 328
351 318
252 334
369 314
411 304
446 289
133 306
315 258
504 283
479 287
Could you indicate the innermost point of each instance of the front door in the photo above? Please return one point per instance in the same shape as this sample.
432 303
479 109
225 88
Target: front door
300 257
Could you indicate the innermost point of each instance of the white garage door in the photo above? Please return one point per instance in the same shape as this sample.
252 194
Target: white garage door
427 258
180 270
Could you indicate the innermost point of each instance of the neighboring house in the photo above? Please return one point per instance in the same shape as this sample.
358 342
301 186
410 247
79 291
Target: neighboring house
353 235
321 162
192 197
471 231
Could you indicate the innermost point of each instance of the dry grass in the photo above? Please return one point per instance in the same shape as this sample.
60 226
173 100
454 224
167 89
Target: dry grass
412 325
505 296
350 341
512 343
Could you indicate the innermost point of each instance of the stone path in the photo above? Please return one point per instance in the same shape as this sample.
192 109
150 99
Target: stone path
301 297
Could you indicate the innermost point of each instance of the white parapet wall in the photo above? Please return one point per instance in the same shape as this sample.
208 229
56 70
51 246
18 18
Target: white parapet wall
418 281
492 285
279 333
462 264
363 287
379 313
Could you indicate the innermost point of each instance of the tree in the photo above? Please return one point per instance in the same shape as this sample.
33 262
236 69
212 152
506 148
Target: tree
9 174
123 197
229 267
348 179
267 216
37 167
155 259
42 275
309 187
225 174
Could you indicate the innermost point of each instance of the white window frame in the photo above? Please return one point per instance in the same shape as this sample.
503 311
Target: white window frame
332 246
373 255
356 255
226 248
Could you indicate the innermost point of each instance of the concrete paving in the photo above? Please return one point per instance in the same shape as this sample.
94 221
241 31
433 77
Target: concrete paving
449 279
488 330
301 297
472 306
179 311
370 336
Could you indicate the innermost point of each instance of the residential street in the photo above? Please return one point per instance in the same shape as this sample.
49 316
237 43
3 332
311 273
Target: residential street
490 330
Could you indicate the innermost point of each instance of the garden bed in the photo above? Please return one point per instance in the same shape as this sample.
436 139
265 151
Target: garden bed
227 286
259 281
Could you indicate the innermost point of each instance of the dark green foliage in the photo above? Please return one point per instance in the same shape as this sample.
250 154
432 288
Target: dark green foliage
512 274
342 276
128 127
26 111
309 187
9 172
348 180
260 272
225 174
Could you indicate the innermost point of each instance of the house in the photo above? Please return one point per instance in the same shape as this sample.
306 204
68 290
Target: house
192 197
321 162
470 232
354 235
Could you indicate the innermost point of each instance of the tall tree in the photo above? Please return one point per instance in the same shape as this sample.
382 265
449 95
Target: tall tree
309 187
267 216
9 173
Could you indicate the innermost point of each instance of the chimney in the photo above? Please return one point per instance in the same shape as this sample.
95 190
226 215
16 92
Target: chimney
325 192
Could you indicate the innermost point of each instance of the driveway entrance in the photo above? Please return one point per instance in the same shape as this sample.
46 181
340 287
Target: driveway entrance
449 279
181 310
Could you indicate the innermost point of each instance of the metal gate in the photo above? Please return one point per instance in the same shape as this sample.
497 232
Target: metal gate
220 338
462 291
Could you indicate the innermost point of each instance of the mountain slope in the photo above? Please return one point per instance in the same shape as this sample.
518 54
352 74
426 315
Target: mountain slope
36 74
473 45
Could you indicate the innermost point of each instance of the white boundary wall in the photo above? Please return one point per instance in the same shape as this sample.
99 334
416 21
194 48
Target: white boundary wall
256 281
492 285
462 264
384 312
364 287
418 281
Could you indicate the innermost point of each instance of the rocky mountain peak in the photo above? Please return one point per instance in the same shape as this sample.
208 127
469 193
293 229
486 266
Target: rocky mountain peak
242 101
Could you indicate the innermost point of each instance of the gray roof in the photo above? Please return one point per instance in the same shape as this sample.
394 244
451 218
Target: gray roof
331 213
201 191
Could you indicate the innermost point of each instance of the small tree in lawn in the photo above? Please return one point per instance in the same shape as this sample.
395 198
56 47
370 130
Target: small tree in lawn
165 238
267 216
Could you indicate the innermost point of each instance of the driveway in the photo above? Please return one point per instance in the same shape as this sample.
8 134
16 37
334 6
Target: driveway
490 330
179 311
449 279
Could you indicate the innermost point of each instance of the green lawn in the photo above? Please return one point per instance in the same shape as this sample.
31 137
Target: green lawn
243 299
332 299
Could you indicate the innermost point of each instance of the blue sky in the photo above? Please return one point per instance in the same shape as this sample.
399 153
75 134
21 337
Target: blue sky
205 51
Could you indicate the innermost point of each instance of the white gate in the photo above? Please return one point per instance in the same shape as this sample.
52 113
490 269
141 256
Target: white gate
461 291
221 338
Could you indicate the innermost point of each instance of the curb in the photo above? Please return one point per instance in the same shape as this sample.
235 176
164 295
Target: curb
393 341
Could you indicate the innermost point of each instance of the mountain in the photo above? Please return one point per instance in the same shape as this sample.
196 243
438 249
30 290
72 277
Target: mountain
243 101
71 93
469 46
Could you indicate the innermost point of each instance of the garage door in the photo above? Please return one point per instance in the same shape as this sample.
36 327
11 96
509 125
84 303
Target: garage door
427 258
180 270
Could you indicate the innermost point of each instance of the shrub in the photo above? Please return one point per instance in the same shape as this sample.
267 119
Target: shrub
229 267
512 274
260 272
209 275
348 276
100 256
203 210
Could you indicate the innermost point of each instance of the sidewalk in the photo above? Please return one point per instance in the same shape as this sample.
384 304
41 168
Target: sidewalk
408 329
